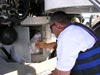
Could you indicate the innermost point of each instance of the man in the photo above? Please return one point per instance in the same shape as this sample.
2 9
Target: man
52 45
76 53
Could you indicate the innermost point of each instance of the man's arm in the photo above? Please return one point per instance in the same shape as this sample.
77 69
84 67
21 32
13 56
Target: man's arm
45 45
59 72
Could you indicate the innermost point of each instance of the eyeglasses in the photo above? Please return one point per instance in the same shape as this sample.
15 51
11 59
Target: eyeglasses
52 25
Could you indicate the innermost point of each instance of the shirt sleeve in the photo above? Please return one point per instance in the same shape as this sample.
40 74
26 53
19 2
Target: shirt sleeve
68 48
67 55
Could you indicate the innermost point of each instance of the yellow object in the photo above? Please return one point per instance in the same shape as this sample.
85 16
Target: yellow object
75 19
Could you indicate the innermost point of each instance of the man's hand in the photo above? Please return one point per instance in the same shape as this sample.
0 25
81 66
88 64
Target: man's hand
58 72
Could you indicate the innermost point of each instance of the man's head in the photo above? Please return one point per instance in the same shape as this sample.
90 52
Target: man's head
61 17
58 21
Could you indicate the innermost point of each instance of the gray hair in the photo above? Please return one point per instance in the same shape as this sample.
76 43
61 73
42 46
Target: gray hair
61 17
